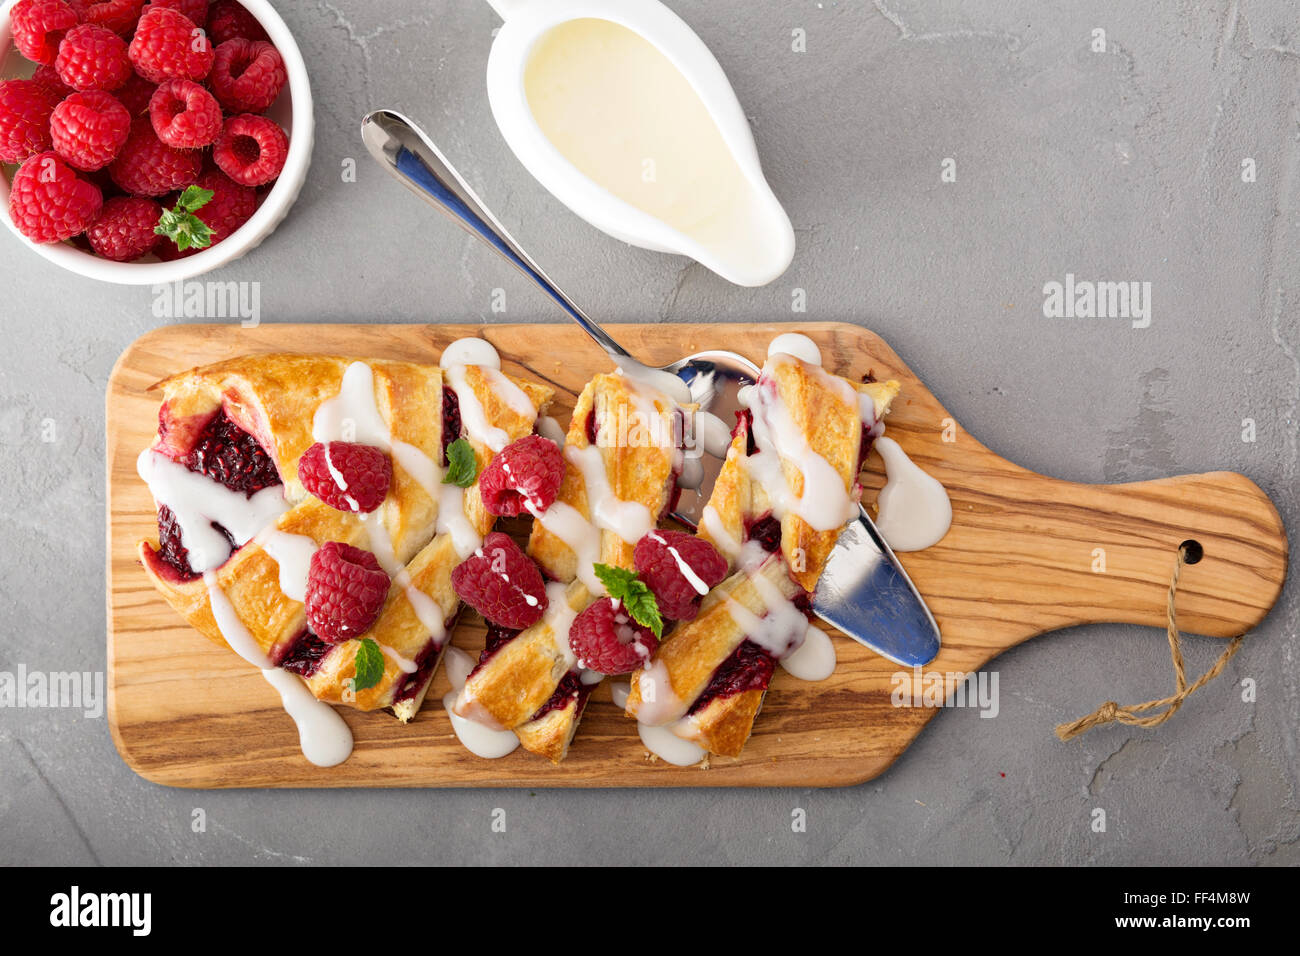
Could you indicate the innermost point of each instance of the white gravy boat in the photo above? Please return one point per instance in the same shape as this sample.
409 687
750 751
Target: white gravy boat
621 111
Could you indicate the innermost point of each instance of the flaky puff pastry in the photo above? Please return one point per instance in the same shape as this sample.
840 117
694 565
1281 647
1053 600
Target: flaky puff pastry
636 431
275 399
819 406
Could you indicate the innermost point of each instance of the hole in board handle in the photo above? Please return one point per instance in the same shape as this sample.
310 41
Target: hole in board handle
1192 551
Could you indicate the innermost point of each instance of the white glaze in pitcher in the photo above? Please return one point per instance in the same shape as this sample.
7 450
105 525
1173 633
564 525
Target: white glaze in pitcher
583 90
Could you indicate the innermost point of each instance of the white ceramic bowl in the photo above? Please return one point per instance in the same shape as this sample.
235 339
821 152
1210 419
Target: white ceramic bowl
293 111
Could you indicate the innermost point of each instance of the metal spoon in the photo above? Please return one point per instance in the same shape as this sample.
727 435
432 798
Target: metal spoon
713 378
864 590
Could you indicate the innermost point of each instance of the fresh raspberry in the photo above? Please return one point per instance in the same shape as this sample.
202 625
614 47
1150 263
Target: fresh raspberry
346 588
606 639
251 150
167 45
120 16
501 583
88 129
92 58
184 114
344 475
135 95
25 108
124 230
48 77
527 470
195 10
677 595
228 20
39 26
146 166
247 75
49 202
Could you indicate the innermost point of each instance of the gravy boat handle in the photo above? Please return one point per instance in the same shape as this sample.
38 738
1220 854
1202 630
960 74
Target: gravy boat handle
403 149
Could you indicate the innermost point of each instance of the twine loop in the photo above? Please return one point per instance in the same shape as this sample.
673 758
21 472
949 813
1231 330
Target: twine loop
1111 712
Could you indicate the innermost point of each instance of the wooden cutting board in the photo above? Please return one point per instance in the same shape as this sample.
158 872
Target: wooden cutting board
1018 561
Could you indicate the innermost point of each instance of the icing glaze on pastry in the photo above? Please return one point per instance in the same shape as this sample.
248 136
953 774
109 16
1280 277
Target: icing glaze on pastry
548 427
567 523
470 351
796 344
478 739
915 511
197 502
292 552
630 520
324 737
425 607
814 659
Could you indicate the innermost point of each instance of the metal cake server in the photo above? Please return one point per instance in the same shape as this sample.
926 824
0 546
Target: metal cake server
863 591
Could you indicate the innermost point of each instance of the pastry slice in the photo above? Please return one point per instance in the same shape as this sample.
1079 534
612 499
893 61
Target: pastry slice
238 528
622 461
788 486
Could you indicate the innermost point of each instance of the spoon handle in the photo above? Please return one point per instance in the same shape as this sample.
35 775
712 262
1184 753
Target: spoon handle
406 152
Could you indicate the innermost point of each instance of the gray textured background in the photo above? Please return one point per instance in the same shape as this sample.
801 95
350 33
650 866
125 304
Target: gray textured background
1115 165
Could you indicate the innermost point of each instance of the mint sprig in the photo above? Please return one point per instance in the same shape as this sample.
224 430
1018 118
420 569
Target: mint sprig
369 664
638 600
462 465
181 226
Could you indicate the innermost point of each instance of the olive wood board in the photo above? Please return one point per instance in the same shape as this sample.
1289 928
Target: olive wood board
1018 561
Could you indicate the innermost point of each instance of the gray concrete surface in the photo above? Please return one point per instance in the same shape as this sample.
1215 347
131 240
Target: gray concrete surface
1123 164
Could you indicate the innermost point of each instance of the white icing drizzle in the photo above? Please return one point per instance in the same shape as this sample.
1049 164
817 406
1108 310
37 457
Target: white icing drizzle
825 503
324 737
712 434
664 743
688 572
293 553
404 664
197 501
659 703
452 520
665 383
711 522
814 659
619 692
630 520
796 344
559 617
470 351
915 511
425 607
510 393
548 427
472 416
567 523
339 481
478 739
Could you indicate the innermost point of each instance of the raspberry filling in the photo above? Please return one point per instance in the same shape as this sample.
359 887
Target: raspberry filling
571 689
748 668
592 427
497 638
424 662
766 531
229 456
306 654
451 424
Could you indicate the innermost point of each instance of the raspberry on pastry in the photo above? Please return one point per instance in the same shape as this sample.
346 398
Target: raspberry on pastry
526 474
502 583
606 639
345 475
346 588
680 569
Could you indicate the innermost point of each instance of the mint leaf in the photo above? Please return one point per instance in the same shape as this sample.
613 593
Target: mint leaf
639 601
369 663
462 466
181 226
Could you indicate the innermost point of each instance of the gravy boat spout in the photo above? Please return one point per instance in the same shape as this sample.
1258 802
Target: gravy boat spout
621 111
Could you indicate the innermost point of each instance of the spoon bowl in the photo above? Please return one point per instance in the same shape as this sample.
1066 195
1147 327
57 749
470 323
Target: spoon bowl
710 379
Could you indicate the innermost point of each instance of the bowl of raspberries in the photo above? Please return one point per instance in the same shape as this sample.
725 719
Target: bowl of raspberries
149 141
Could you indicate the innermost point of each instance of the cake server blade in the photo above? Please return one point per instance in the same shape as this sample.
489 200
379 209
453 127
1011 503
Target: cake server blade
865 593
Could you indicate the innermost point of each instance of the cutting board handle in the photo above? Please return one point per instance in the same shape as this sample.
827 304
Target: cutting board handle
1078 554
